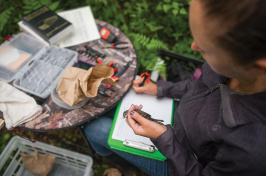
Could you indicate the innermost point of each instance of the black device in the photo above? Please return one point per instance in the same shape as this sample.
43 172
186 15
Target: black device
107 35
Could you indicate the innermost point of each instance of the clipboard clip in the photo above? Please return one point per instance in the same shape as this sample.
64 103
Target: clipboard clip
139 145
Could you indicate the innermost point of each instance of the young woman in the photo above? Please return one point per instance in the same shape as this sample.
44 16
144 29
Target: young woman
220 123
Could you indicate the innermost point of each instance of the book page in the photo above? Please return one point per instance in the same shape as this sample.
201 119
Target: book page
85 28
157 108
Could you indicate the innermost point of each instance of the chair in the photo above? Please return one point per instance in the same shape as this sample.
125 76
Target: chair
179 67
91 151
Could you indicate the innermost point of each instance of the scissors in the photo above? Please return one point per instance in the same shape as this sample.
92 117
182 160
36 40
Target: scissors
115 45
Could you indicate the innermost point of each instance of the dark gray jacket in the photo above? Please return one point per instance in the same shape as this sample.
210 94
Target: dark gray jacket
216 131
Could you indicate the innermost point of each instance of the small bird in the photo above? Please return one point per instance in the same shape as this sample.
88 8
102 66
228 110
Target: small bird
145 115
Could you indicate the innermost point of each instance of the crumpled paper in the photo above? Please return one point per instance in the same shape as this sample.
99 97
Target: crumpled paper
76 84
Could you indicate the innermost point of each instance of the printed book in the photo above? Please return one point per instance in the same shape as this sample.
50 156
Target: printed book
48 25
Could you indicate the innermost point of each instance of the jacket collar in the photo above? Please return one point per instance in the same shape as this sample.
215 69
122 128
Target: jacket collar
239 109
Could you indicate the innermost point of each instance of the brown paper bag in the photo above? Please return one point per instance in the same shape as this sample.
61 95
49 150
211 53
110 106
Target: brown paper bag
38 164
93 78
76 84
68 88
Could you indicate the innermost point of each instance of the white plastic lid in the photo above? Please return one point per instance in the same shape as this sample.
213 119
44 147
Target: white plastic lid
16 53
56 99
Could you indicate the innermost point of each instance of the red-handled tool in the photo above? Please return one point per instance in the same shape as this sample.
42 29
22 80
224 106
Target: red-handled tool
146 77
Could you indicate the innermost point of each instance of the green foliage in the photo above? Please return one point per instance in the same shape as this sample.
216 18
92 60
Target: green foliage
4 139
99 169
30 5
148 60
5 17
150 25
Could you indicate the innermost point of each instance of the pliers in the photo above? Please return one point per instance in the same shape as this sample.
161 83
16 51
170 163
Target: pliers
114 45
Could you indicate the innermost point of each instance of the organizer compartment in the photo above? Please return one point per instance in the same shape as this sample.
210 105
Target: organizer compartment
41 75
34 68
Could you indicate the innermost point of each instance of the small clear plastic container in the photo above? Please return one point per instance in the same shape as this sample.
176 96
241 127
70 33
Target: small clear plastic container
56 99
34 68
16 53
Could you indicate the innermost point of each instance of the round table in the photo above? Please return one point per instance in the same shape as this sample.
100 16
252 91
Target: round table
54 117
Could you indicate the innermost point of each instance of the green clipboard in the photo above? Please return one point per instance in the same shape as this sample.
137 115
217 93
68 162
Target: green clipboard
117 144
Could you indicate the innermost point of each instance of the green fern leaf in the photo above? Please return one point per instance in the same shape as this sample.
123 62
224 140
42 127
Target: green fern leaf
157 44
154 28
54 6
5 17
30 5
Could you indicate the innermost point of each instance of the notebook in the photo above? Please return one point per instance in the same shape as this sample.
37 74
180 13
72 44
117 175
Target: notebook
121 133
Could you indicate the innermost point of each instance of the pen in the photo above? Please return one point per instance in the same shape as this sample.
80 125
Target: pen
146 77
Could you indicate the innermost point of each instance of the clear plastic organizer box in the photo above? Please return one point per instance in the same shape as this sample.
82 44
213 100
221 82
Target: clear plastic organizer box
34 67
66 162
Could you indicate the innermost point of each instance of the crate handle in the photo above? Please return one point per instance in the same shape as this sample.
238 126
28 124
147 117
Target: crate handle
36 154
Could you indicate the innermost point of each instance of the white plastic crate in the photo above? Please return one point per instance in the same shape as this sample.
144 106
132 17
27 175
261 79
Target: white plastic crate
66 162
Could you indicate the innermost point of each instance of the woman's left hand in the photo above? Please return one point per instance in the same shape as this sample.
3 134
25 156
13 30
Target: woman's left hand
142 126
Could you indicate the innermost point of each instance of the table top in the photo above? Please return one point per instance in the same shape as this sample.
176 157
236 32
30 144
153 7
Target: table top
53 117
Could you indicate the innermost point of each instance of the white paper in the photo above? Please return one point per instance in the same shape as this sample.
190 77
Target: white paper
85 28
8 56
157 108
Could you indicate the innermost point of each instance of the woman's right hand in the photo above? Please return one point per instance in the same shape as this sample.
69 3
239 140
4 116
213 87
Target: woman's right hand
148 88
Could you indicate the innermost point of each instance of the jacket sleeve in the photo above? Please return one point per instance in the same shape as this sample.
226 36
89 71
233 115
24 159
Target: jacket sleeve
174 90
240 154
179 159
